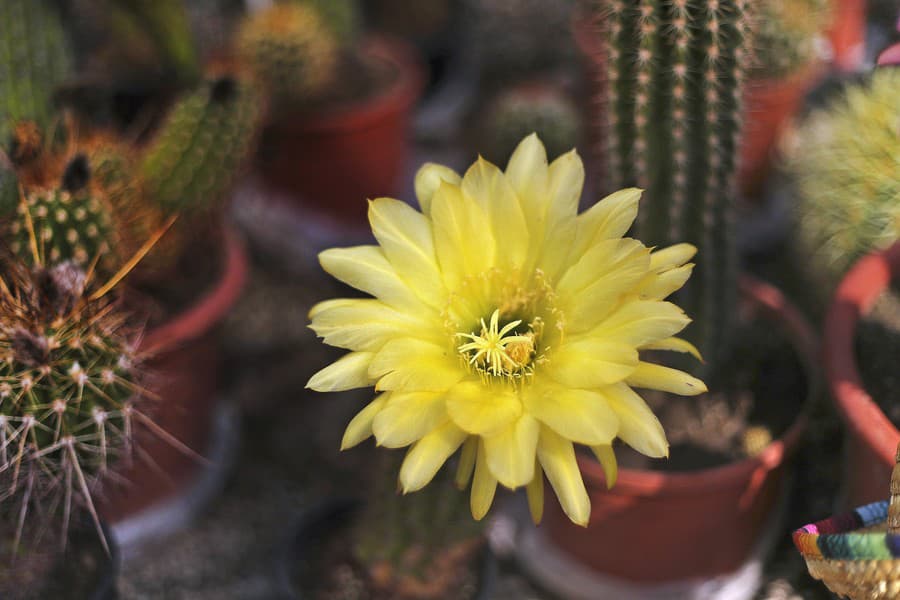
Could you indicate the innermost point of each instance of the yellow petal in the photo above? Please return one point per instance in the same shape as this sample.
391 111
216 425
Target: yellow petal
557 458
591 362
565 179
676 345
326 305
480 409
463 240
486 185
360 427
511 453
608 219
484 486
638 323
657 377
638 426
662 285
428 455
591 288
405 237
578 415
429 179
408 417
527 174
466 462
366 268
365 324
348 372
535 493
553 256
607 458
412 364
671 257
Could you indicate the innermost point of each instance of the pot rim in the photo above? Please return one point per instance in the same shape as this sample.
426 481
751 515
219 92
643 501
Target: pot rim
398 96
854 297
770 301
210 307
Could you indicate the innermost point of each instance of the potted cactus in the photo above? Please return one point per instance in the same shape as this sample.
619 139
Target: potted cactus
334 97
845 170
786 65
675 132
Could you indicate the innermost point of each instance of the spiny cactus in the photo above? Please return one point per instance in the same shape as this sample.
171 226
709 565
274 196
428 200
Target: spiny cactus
291 51
672 113
342 17
34 59
69 222
9 193
514 114
846 164
68 383
786 35
418 546
202 145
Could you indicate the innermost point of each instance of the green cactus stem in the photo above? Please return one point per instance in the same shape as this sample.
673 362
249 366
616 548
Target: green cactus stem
202 145
291 51
68 385
845 161
34 59
672 114
786 36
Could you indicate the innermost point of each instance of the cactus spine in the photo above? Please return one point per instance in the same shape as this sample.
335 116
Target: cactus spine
67 387
201 147
290 50
846 164
672 103
34 59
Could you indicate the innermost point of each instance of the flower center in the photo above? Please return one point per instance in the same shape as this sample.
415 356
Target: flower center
501 351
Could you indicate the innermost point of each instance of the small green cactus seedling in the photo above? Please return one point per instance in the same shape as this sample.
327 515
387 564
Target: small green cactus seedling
786 35
68 385
64 223
514 114
202 145
34 60
671 116
290 50
846 163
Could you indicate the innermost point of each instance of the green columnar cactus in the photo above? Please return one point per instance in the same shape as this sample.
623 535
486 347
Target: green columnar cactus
34 59
514 114
672 105
846 164
290 50
69 223
786 34
68 386
201 147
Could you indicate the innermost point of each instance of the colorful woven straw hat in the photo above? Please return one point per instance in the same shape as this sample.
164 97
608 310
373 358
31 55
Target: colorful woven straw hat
857 554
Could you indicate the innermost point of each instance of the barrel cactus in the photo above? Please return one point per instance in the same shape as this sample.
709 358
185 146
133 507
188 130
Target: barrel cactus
342 17
845 161
787 34
68 384
291 50
671 117
200 148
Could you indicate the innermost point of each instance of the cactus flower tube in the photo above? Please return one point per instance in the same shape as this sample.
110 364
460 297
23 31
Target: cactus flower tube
506 326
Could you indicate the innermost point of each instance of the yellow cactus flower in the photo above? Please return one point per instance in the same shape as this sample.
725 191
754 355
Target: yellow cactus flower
507 325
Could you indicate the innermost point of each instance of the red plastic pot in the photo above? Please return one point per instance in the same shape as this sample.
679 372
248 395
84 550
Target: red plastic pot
184 373
654 527
335 160
848 34
872 439
768 106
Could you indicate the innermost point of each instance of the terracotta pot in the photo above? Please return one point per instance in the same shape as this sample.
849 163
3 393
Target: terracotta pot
871 438
768 106
334 161
654 527
184 372
848 34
